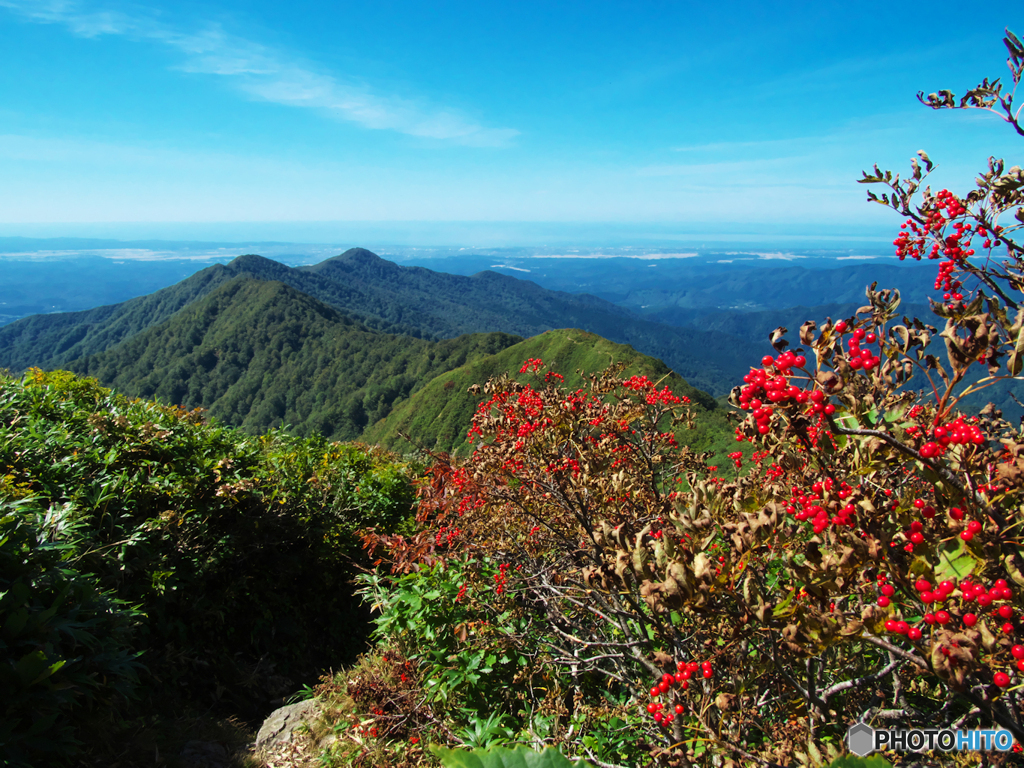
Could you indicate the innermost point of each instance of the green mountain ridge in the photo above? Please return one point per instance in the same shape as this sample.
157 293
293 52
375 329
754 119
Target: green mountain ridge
259 354
438 415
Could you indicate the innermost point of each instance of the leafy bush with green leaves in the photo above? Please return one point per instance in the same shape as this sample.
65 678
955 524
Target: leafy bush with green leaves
521 757
238 550
464 648
65 644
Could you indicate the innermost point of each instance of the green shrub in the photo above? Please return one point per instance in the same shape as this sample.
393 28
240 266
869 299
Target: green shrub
65 645
521 757
238 549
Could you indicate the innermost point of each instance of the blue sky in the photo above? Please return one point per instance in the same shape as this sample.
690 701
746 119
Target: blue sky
147 118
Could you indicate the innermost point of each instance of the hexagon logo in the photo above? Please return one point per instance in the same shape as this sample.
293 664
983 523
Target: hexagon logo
860 738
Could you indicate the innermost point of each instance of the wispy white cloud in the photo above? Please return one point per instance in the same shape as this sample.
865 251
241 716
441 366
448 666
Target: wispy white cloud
266 74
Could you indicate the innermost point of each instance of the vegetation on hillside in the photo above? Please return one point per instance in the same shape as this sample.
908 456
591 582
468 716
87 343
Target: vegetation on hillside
261 355
436 417
867 567
582 578
156 564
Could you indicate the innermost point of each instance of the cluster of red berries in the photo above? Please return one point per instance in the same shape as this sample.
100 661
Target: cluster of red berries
912 238
446 535
564 464
804 506
654 395
859 357
532 364
775 388
686 670
956 432
944 281
973 528
969 593
500 578
938 594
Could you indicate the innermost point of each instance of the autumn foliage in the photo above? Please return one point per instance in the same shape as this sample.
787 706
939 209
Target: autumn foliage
866 563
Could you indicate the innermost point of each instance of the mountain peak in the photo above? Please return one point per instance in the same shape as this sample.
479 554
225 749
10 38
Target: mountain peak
247 260
360 255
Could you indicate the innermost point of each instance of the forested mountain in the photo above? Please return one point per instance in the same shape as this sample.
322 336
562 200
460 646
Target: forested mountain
260 354
53 340
384 296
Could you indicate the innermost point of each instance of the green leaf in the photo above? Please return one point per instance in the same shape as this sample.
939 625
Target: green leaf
780 609
499 757
956 561
33 668
852 761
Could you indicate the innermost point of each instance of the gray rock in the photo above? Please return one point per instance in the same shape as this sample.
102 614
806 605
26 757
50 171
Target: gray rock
281 724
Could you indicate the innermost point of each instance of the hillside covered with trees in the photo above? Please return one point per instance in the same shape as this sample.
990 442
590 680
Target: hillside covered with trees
385 297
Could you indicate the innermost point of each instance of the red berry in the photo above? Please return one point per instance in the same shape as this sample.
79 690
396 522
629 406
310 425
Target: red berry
1001 679
1006 612
942 617
922 585
1017 651
914 633
679 709
970 619
883 601
1007 628
889 590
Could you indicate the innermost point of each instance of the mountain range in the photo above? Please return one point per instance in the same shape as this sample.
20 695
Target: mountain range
353 347
359 347
383 296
